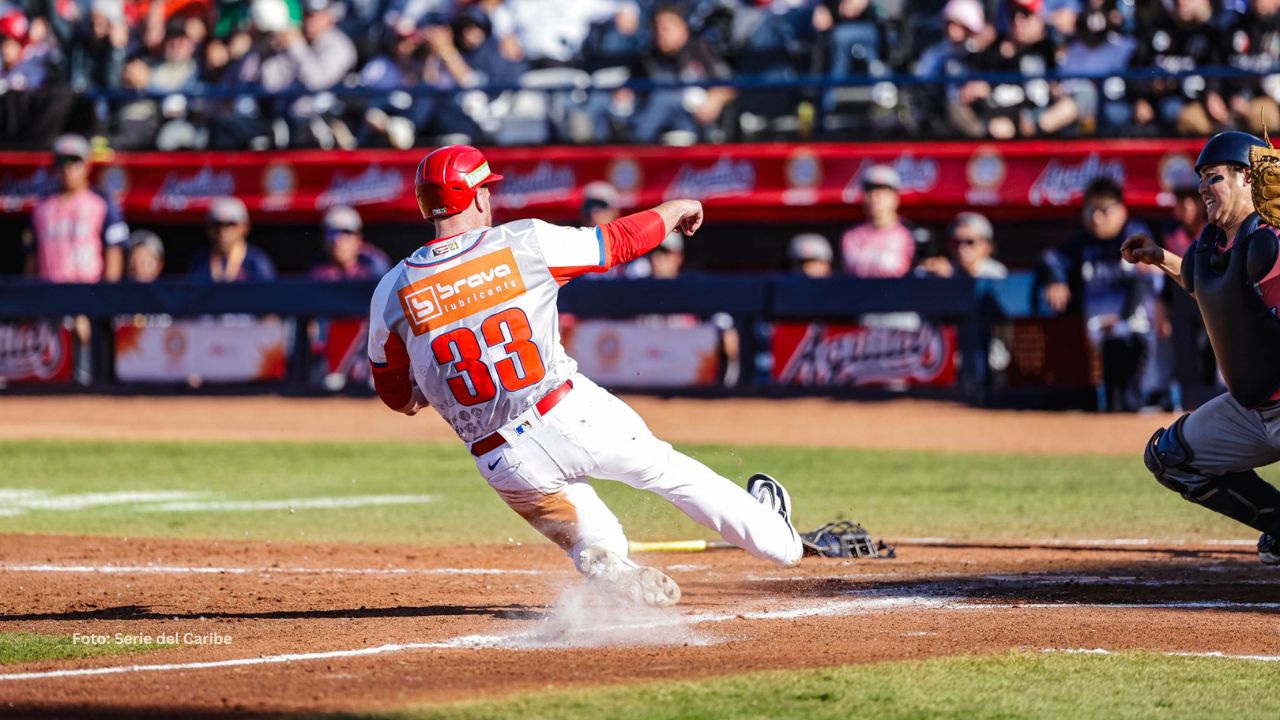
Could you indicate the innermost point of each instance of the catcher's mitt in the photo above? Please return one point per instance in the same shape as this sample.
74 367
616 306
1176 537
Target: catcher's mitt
846 540
1265 163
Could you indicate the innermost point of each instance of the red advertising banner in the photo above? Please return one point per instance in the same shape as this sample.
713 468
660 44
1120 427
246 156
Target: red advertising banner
843 355
38 352
767 182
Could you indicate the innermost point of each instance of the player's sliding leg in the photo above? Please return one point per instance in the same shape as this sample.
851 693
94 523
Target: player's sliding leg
625 450
574 517
1208 457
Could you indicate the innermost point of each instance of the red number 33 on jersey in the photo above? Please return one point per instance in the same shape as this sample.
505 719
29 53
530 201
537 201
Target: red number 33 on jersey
474 382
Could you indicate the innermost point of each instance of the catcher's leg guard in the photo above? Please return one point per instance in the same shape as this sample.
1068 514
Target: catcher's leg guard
1242 496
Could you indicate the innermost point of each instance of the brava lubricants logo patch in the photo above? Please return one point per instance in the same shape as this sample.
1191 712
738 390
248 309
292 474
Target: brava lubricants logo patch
451 295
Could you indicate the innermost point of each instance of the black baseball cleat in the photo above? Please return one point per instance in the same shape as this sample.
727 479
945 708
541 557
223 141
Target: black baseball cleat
1269 549
771 494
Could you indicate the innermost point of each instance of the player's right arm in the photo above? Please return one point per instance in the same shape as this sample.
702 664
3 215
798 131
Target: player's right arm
388 356
576 252
1142 249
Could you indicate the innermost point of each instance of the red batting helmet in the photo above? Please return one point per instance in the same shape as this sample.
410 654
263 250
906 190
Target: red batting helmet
447 180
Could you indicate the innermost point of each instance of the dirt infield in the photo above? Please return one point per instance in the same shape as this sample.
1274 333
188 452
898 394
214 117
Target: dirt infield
810 422
319 628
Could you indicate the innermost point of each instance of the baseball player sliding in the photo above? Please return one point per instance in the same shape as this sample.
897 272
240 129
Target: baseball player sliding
468 324
1209 456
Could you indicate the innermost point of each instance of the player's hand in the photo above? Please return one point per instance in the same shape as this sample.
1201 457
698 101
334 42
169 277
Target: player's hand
1141 249
691 218
1058 295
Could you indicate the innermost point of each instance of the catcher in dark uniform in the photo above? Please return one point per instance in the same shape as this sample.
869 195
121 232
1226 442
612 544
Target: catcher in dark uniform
1209 456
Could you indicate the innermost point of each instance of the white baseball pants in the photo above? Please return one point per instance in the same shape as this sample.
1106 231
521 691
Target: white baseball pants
542 470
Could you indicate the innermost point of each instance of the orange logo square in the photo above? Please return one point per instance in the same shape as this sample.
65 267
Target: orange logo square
451 295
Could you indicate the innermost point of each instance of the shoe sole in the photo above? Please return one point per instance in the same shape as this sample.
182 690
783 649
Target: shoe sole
784 500
1267 558
639 584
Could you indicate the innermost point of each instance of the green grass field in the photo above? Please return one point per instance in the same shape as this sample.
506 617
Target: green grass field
24 647
1015 685
895 494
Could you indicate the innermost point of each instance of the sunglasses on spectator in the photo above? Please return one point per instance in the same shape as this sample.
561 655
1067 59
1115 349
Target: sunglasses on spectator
960 241
222 223
64 160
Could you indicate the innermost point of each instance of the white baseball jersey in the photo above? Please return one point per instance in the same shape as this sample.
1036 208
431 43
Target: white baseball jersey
477 313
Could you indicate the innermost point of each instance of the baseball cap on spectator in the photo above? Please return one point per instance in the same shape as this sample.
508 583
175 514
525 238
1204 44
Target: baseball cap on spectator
967 14
1034 7
112 10
15 25
146 239
673 242
341 219
881 176
270 16
976 222
71 147
599 194
809 246
314 6
227 211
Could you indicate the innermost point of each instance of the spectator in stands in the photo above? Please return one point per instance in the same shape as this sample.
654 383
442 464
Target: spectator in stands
678 55
146 257
79 235
882 246
349 256
1035 106
136 123
1255 46
503 22
960 52
315 59
474 41
601 204
666 260
972 248
551 31
96 43
1177 37
810 255
393 119
828 15
1193 371
616 41
1097 50
1086 275
22 67
178 71
231 258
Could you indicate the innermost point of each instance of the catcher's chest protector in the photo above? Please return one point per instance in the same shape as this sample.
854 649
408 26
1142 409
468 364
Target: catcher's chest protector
1244 332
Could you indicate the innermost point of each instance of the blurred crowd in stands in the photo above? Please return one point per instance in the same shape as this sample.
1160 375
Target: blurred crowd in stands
236 74
1147 336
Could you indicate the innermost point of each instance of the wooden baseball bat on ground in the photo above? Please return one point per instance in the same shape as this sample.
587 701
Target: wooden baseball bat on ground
678 546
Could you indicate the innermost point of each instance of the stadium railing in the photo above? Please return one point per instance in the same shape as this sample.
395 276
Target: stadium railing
973 307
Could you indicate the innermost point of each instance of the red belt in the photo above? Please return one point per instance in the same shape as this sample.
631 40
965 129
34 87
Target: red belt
489 443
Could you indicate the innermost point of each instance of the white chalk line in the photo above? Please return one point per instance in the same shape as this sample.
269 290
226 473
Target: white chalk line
1167 653
519 640
19 501
1014 543
197 570
309 503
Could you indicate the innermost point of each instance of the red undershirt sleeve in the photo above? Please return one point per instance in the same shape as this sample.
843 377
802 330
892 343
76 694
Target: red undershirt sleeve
627 238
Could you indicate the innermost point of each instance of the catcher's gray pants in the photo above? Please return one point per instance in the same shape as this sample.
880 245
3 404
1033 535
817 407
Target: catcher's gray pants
1224 437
